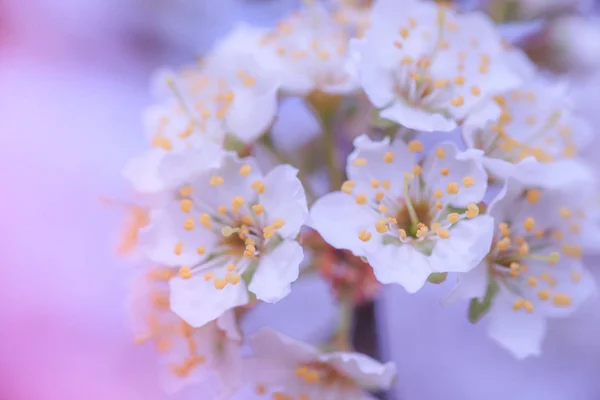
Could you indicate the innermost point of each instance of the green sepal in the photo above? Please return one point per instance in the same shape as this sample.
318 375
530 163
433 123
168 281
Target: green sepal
437 277
478 308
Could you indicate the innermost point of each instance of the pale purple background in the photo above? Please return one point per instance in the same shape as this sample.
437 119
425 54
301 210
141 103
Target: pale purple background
73 80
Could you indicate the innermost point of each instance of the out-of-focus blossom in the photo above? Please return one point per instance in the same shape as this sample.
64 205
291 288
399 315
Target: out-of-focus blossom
228 225
310 51
426 67
409 217
208 357
289 369
534 270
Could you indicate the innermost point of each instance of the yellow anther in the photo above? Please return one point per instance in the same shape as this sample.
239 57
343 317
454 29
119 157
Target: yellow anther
531 281
475 91
258 209
403 32
439 205
529 224
205 221
186 205
201 250
444 171
472 211
234 279
457 101
220 283
163 143
528 305
260 389
518 304
398 44
178 248
503 244
246 219
361 199
452 188
544 294
402 234
381 226
258 186
250 251
444 233
553 257
379 196
407 60
441 83
386 184
245 170
562 300
417 170
523 249
360 162
459 80
185 191
185 272
440 152
222 210
216 181
415 146
575 276
382 208
515 268
208 276
364 235
188 224
504 229
374 183
237 203
278 223
268 231
453 218
468 181
438 194
388 157
564 212
533 195
230 267
422 231
348 186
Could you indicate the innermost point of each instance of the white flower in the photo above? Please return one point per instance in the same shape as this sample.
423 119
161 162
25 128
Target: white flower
409 218
310 51
208 357
535 263
427 68
293 370
537 120
225 229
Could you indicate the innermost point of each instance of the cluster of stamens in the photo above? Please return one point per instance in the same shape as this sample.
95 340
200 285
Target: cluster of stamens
420 213
540 133
415 82
241 227
164 327
512 252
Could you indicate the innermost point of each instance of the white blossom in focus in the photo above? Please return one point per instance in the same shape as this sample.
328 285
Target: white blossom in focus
208 358
289 370
310 51
229 230
426 67
409 217
535 266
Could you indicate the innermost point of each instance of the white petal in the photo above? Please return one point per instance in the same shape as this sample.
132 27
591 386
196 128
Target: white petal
468 244
470 285
561 173
251 113
519 332
198 302
418 119
179 167
338 219
276 271
269 344
369 373
228 324
143 174
400 264
284 198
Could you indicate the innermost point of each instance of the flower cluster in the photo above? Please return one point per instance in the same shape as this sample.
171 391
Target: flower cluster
230 218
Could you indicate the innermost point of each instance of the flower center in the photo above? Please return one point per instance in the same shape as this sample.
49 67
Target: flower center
422 213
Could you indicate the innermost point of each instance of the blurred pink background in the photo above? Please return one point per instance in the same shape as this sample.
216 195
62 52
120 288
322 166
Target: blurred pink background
73 81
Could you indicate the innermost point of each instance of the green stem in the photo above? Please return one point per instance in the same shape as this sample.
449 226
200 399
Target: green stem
342 340
333 171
